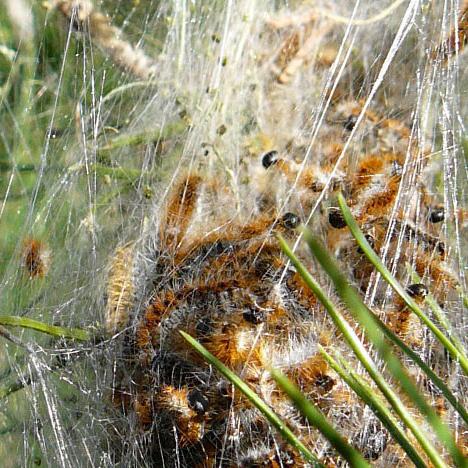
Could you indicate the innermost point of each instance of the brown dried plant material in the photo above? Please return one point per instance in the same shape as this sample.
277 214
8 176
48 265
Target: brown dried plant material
84 17
299 55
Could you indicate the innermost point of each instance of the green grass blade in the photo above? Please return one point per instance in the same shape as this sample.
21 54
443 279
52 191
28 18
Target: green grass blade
24 322
435 379
464 297
118 173
384 414
375 260
318 420
437 311
12 387
147 136
272 417
355 304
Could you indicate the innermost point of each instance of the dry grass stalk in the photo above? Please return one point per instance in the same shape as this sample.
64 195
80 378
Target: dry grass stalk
85 17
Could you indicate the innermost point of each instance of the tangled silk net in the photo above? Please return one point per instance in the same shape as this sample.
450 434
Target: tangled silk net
181 138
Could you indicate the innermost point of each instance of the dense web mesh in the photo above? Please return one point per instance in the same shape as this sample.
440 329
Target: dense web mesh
116 114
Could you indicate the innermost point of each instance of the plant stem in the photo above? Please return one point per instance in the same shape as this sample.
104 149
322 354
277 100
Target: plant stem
54 330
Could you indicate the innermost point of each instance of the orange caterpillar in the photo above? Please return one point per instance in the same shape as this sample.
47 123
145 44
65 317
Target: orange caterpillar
35 258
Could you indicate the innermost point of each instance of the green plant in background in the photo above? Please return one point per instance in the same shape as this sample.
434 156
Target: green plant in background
47 90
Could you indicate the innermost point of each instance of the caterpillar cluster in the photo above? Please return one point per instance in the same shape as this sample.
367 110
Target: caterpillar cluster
220 276
233 291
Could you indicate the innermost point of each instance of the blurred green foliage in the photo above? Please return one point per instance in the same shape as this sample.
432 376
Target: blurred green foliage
48 82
